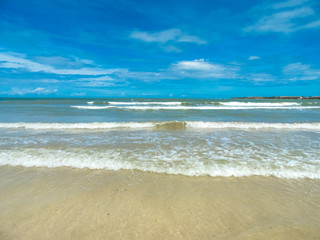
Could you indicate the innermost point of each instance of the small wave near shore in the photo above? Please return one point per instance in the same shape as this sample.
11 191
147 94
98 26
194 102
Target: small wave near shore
168 125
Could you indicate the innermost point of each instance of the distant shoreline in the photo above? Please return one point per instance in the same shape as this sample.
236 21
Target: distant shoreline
280 97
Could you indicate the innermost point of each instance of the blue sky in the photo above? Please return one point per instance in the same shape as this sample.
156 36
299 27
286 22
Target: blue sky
123 48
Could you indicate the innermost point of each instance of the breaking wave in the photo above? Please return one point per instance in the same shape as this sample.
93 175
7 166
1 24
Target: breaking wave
112 160
195 107
171 125
259 104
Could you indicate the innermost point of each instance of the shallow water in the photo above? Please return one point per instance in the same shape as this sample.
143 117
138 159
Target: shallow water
192 137
284 153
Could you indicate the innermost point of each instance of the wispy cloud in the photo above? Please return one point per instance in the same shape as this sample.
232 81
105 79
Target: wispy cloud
17 62
253 58
104 81
290 3
170 48
299 71
314 24
78 94
286 17
99 77
191 39
95 78
169 36
26 91
145 76
195 69
59 61
261 77
161 37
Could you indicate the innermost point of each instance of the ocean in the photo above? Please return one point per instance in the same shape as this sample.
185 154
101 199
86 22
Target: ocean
159 169
192 137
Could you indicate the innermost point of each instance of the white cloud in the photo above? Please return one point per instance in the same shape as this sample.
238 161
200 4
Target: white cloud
11 61
200 68
10 65
162 37
40 89
198 64
171 35
299 71
253 58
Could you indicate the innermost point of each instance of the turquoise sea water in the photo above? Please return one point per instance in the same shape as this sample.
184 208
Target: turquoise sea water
215 137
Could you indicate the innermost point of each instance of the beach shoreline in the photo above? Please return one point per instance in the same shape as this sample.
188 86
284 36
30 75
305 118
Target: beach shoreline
69 203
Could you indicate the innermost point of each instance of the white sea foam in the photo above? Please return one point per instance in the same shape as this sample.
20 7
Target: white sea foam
259 104
169 125
251 149
252 125
92 107
196 107
144 103
112 160
233 104
95 125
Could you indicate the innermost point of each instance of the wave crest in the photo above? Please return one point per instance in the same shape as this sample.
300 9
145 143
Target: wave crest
170 125
190 107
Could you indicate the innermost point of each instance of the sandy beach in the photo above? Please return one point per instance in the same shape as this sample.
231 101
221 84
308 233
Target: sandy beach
67 203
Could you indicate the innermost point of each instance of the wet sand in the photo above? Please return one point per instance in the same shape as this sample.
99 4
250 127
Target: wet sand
66 203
